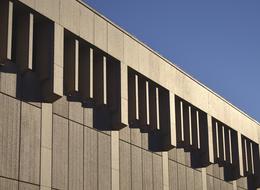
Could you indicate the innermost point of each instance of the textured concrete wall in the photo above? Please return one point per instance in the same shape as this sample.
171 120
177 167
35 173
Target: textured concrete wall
81 155
84 105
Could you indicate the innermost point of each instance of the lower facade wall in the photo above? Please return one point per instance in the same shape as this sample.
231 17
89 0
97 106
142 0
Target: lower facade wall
82 157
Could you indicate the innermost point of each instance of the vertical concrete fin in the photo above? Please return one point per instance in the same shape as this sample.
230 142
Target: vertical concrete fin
182 121
143 99
198 128
230 146
246 154
124 94
136 98
6 30
157 109
24 41
133 97
217 139
173 119
98 76
30 58
252 158
58 59
91 82
104 80
240 153
210 139
190 125
85 72
76 65
147 97
153 109
71 64
224 142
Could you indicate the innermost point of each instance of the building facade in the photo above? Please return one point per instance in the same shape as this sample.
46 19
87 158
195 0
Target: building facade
85 106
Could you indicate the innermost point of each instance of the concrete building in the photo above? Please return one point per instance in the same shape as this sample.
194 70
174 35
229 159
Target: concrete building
85 105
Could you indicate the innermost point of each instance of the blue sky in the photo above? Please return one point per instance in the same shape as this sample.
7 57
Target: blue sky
217 42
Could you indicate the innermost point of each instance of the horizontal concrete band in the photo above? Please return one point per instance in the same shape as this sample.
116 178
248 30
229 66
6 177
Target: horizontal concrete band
83 56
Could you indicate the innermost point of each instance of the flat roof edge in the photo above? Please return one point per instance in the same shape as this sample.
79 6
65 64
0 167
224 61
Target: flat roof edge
166 60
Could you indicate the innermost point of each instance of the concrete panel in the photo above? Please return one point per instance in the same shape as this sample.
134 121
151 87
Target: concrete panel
131 56
173 177
30 144
76 168
181 156
115 160
166 74
190 178
154 67
76 112
104 161
204 178
6 27
198 180
136 137
115 42
136 168
210 183
46 145
29 3
216 184
100 32
216 108
27 186
242 182
165 168
8 84
86 30
9 136
194 93
143 57
124 134
147 170
173 154
145 142
181 170
50 8
88 117
125 165
60 153
157 172
90 159
61 107
69 15
8 184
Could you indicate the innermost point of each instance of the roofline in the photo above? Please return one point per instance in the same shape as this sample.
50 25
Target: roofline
166 60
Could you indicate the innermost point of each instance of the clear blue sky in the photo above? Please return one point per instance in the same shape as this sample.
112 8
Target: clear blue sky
217 42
